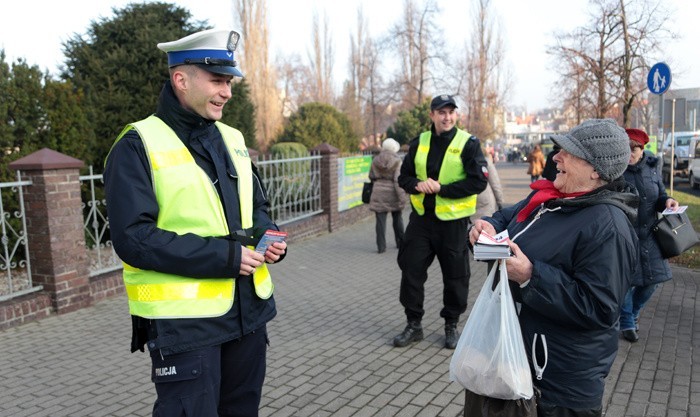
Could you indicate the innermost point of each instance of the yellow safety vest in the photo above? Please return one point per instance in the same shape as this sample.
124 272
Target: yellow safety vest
451 170
189 203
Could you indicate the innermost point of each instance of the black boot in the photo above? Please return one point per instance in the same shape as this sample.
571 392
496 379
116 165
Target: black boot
412 333
451 335
630 335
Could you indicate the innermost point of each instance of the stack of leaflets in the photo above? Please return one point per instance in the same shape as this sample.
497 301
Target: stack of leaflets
489 247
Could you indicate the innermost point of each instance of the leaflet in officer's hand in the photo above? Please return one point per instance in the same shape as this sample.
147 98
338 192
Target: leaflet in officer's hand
269 238
678 210
489 247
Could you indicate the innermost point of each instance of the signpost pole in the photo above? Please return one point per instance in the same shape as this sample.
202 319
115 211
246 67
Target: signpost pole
673 141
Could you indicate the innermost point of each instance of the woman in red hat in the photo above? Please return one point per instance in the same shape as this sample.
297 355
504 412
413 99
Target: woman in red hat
642 172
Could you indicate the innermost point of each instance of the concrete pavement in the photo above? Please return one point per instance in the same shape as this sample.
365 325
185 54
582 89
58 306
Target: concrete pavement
330 351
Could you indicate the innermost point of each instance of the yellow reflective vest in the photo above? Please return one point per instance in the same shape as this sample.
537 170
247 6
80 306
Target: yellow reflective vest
451 170
189 203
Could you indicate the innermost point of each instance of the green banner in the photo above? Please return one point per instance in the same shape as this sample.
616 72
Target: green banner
352 173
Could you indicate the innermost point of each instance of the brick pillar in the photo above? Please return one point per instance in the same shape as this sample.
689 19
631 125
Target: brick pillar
55 232
329 183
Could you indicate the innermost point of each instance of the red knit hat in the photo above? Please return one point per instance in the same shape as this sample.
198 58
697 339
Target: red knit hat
638 136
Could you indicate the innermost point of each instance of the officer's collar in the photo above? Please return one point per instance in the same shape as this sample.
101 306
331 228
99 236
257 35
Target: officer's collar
181 120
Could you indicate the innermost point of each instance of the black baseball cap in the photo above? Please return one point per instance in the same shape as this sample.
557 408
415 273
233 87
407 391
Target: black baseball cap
442 101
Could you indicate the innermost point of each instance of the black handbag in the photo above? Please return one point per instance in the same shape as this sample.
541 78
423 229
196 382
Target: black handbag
675 234
367 191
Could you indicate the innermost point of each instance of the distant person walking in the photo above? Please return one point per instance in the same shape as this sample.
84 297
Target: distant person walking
550 167
536 163
387 196
643 175
491 199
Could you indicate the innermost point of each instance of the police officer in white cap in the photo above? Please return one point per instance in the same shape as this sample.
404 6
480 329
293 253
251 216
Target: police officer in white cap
185 207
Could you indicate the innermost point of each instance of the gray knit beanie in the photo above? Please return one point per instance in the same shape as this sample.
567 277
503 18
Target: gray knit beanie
601 143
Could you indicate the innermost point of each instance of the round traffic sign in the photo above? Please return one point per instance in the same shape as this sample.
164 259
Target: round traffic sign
659 78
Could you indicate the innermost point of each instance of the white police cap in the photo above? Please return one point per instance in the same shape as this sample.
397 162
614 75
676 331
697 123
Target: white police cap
210 49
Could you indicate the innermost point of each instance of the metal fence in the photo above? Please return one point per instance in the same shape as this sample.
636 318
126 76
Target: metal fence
15 267
101 254
293 186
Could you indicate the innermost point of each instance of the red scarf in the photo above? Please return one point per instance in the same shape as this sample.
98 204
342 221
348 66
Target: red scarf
545 192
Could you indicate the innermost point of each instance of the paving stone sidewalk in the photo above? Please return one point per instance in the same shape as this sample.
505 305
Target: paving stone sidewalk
330 352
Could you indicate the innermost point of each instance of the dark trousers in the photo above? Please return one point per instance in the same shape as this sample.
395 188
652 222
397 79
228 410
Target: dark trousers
426 238
380 227
547 410
219 381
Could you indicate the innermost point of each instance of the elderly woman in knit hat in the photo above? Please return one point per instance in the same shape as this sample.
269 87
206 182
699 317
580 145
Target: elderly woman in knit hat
642 173
574 251
387 196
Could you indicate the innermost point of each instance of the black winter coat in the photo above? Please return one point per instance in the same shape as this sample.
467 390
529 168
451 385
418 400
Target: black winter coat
645 178
583 251
133 211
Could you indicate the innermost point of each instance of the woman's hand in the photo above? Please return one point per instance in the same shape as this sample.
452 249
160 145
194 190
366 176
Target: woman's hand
671 204
518 265
479 226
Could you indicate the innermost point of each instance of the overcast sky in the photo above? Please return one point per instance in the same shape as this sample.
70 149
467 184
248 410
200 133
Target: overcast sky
34 30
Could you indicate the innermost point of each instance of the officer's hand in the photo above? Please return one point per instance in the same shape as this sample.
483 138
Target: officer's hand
434 185
429 186
274 252
249 261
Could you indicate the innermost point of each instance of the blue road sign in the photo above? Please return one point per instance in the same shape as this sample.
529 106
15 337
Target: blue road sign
659 78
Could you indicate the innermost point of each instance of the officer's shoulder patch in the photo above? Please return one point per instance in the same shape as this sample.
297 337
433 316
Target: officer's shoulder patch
474 138
485 171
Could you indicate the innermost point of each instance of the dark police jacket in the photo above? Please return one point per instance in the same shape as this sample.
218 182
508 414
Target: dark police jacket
133 212
583 253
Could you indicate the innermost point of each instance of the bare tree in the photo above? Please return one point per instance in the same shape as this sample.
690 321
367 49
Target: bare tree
642 30
365 95
487 78
294 83
417 44
350 100
609 56
321 58
252 15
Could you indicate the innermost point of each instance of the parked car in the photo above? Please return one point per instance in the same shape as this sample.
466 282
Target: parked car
681 154
694 165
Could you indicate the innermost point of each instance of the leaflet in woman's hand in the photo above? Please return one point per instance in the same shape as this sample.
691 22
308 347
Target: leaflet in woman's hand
677 210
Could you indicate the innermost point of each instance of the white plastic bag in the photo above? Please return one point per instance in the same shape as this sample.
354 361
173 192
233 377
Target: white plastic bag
490 356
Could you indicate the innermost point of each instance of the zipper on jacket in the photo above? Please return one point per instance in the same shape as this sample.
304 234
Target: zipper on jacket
539 370
540 212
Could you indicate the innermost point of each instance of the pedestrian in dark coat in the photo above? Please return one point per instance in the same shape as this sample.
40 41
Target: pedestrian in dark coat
574 253
387 196
643 174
